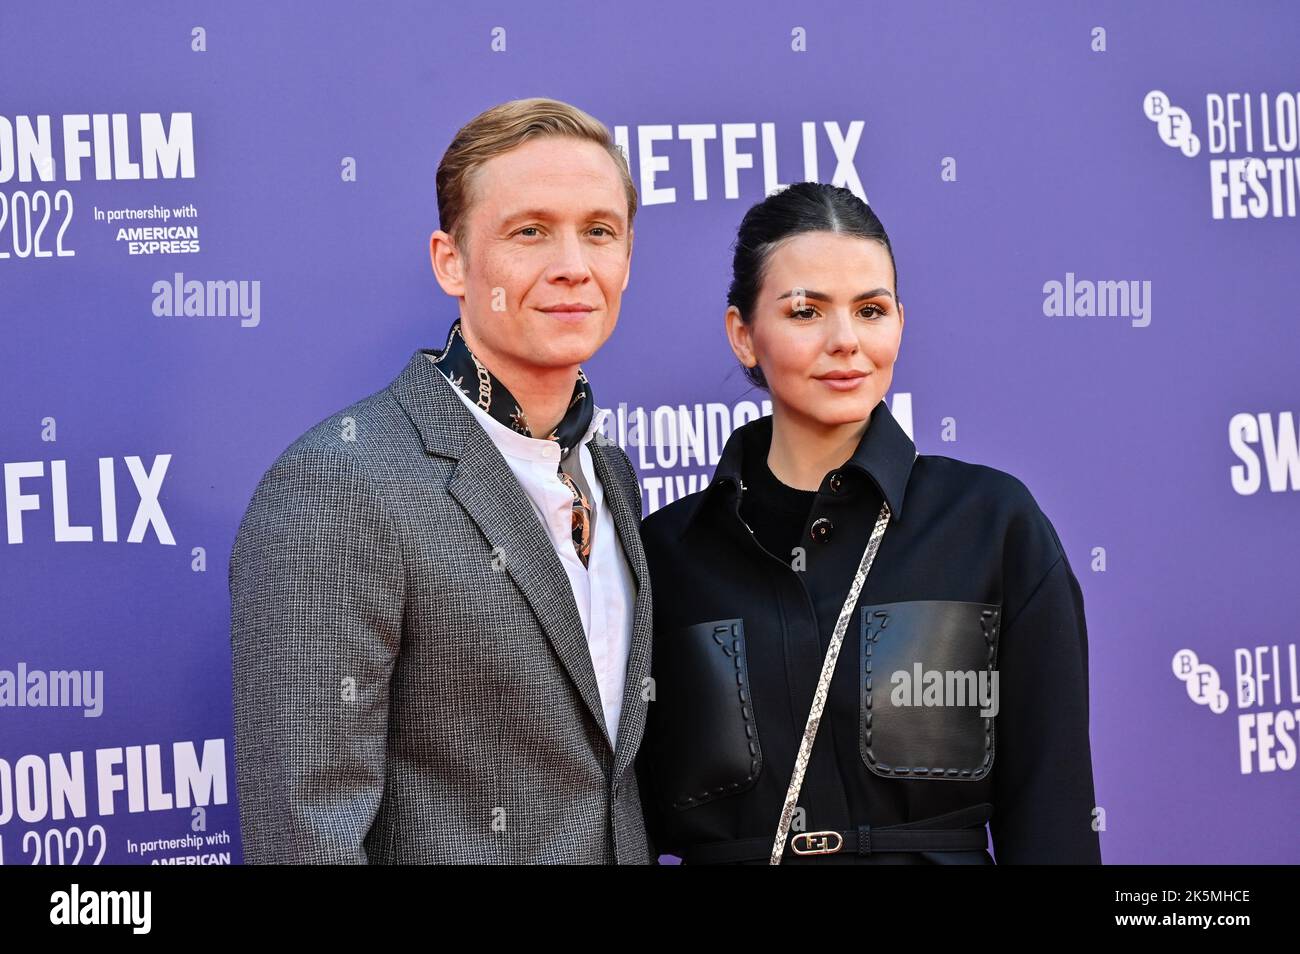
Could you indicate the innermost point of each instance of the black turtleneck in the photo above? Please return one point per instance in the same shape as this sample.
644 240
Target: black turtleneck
776 512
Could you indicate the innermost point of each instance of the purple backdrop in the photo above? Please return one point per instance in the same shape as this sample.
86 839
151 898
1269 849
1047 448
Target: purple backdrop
1003 152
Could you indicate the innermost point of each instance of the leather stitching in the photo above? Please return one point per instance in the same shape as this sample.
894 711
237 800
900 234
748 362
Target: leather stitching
989 627
730 638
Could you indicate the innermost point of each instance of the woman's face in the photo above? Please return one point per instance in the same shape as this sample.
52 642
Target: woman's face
827 305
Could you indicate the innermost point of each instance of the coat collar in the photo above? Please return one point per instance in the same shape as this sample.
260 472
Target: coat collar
443 421
884 456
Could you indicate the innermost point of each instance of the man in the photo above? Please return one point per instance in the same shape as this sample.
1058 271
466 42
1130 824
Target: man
440 602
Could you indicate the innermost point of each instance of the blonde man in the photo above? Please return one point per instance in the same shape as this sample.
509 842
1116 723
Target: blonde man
440 602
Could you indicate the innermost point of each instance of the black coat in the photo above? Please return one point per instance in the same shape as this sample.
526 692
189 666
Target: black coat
970 577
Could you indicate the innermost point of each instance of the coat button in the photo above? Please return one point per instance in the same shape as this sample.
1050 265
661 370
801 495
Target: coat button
821 529
837 481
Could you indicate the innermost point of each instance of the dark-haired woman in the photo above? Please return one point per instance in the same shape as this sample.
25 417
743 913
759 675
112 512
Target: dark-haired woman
861 655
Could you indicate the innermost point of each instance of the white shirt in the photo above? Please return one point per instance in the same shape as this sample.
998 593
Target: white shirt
603 591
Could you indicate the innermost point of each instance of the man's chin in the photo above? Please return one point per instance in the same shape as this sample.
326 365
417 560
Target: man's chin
564 347
554 356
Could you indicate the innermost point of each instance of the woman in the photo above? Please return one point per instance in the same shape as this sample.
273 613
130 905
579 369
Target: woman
959 694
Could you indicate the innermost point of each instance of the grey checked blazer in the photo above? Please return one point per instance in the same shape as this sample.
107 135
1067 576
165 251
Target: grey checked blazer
411 678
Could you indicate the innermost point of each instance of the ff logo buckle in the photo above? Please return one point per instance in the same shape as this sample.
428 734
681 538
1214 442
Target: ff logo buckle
817 842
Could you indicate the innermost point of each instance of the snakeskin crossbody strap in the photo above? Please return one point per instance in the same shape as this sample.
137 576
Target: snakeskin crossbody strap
823 685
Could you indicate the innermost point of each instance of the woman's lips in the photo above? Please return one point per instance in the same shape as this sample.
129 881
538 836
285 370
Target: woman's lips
843 384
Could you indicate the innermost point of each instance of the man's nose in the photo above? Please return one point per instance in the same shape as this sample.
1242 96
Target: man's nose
570 258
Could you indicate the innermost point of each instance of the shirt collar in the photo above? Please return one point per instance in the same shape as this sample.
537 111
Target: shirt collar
884 455
515 444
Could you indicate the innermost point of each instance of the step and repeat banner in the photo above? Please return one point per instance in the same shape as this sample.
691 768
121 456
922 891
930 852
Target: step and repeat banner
214 224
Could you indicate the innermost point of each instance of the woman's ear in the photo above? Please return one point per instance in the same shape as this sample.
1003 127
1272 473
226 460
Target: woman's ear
739 337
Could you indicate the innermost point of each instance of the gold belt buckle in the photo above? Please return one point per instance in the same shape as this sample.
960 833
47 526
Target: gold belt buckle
818 842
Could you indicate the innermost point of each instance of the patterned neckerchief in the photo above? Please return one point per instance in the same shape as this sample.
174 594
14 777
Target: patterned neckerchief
465 371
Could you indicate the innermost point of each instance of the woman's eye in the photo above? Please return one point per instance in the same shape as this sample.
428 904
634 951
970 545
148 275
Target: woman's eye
872 311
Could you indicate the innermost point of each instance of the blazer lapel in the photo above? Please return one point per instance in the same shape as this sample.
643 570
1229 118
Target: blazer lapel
486 487
627 518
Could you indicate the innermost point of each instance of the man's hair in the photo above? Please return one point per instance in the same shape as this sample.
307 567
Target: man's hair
502 128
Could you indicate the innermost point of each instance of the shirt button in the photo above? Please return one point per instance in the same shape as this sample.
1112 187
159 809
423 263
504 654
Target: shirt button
837 481
821 529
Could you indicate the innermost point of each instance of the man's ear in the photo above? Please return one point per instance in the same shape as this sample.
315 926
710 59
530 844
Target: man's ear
630 235
448 265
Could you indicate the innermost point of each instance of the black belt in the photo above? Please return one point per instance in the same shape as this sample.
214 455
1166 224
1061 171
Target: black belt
865 840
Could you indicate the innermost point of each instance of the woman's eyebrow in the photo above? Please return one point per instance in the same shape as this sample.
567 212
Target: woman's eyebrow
822 296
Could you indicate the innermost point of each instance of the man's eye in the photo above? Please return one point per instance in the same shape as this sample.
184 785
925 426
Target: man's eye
601 228
527 228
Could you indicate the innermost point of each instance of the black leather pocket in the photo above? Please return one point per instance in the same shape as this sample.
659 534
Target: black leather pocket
903 732
701 736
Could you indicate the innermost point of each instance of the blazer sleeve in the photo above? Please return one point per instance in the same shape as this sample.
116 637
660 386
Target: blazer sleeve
1043 785
317 590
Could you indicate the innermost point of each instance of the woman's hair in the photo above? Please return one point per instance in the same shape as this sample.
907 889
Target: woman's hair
502 128
802 207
